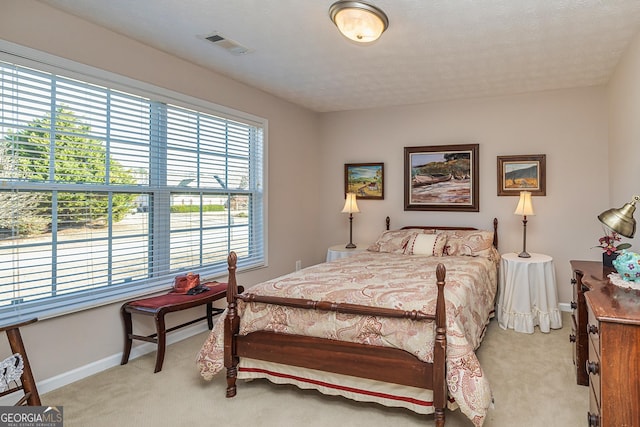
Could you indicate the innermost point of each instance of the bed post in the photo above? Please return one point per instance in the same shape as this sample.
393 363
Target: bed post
440 352
495 233
231 327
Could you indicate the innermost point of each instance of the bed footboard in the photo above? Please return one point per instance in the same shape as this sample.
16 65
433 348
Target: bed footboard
366 361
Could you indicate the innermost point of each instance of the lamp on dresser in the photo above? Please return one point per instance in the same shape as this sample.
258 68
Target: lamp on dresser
621 220
524 208
350 207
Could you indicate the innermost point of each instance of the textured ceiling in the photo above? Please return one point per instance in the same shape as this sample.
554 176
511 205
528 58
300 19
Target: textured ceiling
433 50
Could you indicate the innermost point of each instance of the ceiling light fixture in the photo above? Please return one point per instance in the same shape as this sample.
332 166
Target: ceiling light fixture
358 21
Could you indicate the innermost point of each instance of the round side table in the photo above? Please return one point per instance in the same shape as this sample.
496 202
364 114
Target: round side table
339 251
527 294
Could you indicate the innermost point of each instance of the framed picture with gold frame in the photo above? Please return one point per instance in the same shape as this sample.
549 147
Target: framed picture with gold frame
364 179
522 173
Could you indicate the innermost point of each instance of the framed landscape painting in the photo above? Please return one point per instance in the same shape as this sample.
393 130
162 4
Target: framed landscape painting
364 179
519 173
441 178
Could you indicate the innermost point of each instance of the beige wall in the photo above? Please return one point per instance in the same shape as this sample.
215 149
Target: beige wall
65 343
569 126
624 132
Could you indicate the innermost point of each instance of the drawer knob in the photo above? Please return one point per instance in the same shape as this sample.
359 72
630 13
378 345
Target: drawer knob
592 329
574 305
572 338
574 281
593 368
593 419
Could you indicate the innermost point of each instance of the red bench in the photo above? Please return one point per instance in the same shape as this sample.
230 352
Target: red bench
159 306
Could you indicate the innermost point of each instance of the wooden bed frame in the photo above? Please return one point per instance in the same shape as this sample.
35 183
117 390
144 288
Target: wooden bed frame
357 360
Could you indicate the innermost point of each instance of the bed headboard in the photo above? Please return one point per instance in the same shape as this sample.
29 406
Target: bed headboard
435 227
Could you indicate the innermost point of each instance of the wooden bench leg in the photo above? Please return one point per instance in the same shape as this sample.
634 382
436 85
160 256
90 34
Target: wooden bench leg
162 340
210 315
128 331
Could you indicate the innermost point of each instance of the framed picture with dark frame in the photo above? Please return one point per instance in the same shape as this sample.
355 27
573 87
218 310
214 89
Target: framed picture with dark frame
442 178
520 173
366 180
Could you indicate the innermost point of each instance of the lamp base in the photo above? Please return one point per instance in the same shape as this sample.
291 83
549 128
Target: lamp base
524 254
350 246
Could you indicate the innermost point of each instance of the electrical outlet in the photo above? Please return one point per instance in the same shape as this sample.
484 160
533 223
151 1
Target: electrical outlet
298 265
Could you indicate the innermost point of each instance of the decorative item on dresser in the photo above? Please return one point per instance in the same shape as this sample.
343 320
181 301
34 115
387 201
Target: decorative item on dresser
610 247
606 333
628 273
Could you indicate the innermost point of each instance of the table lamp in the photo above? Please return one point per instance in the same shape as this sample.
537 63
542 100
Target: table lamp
524 208
350 207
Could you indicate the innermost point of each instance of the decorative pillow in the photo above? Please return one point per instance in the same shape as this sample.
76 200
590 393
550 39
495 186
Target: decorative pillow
470 243
395 241
426 244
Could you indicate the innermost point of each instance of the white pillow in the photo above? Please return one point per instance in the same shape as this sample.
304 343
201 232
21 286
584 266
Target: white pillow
424 244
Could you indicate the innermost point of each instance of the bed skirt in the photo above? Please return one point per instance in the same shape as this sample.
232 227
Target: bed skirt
363 390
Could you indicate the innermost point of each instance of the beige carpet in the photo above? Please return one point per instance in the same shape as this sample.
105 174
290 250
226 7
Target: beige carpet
532 378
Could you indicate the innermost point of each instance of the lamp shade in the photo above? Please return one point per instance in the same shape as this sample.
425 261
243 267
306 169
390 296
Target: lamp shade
525 206
350 205
358 21
621 220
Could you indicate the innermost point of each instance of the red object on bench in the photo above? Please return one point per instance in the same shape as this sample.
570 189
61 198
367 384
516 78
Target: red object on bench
159 306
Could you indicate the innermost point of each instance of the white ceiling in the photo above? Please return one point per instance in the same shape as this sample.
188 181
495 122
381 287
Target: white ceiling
433 50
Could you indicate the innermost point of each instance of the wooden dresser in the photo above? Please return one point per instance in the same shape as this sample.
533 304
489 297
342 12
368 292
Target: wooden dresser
606 332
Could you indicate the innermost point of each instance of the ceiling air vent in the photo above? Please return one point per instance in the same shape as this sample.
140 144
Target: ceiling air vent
229 45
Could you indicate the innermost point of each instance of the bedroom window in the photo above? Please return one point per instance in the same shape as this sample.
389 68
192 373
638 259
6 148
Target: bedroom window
107 193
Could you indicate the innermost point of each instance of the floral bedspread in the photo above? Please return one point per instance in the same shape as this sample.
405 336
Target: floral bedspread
406 282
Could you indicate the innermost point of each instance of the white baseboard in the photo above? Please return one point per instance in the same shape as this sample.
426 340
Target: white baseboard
564 306
114 360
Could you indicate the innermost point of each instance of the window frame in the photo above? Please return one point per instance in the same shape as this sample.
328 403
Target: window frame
50 307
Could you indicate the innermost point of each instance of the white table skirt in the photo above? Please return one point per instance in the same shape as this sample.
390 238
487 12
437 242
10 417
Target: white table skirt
527 294
339 251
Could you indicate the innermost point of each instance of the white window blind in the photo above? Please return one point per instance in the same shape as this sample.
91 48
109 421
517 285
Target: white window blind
106 194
